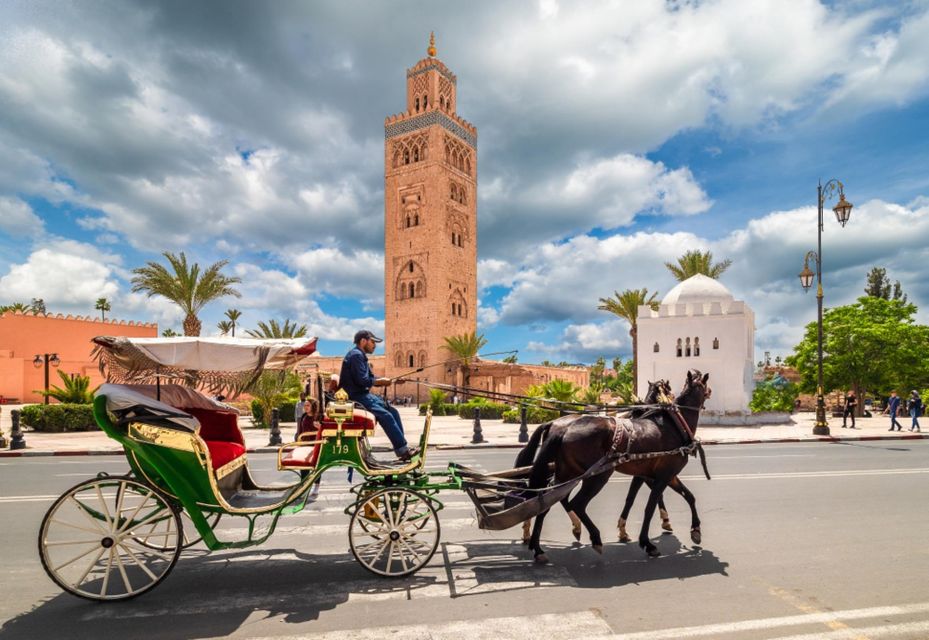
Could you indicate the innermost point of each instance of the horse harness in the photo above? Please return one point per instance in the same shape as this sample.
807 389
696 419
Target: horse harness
622 439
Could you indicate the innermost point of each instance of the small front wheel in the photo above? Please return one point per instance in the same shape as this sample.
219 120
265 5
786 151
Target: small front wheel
110 539
394 532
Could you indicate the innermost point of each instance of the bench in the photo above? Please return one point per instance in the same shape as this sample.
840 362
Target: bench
220 432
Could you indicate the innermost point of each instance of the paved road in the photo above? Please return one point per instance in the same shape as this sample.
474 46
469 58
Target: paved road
806 540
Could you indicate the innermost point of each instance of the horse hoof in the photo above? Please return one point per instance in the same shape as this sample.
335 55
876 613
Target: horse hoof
666 525
624 538
541 559
695 536
598 548
653 553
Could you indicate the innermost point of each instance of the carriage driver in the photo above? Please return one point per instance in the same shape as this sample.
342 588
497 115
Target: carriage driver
356 378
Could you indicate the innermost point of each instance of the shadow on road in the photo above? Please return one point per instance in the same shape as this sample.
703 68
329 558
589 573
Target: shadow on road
217 594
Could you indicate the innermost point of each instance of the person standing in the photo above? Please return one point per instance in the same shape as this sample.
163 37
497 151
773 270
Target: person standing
916 407
893 407
357 379
299 410
850 403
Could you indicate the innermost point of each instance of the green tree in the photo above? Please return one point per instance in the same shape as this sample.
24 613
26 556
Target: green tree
76 389
774 395
185 286
464 348
233 315
561 390
271 389
596 371
696 261
871 346
511 359
169 333
103 305
591 395
878 286
37 307
272 329
224 327
626 306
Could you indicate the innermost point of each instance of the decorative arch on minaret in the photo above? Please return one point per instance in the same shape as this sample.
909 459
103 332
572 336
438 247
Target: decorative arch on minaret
458 155
412 209
456 226
410 282
457 305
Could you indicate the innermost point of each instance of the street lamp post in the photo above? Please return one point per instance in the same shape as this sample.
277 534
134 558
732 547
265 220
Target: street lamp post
47 358
843 211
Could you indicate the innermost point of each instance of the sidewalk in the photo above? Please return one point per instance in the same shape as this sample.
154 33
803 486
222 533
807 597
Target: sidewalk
451 432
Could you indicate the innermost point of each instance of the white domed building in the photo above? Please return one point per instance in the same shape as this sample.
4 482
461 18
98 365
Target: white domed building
699 325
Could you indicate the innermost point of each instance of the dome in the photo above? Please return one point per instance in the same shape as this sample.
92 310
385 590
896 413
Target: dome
697 289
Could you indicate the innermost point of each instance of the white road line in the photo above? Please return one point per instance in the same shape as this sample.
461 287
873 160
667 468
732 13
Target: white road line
812 474
548 626
776 456
871 633
714 630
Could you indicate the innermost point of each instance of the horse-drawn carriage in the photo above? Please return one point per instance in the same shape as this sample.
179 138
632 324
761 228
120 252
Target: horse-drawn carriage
115 537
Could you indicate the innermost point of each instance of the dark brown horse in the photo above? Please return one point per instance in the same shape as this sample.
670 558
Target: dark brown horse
578 443
658 392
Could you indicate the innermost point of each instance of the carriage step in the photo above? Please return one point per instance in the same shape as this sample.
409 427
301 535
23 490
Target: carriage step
250 499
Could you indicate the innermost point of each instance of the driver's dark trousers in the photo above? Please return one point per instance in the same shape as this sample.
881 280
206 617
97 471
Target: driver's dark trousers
389 419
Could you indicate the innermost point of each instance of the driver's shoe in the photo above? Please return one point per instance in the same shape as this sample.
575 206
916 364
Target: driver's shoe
409 454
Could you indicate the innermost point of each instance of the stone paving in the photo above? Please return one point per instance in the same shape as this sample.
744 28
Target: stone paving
452 432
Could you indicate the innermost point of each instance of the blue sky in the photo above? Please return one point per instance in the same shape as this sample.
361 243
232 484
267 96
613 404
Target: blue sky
613 137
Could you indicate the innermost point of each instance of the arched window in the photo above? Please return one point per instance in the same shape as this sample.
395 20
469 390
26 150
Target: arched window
459 310
406 156
417 105
696 347
411 361
422 358
416 220
680 351
412 290
399 360
454 240
442 101
716 343
453 308
411 267
425 102
419 289
468 166
687 348
655 348
415 154
408 225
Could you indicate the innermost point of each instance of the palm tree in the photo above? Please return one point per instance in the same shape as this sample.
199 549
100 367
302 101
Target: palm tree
233 315
21 307
102 306
224 326
76 389
696 261
37 306
169 333
561 390
273 330
626 306
186 286
465 348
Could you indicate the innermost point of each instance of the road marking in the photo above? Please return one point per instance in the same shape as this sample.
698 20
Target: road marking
776 456
812 474
806 607
871 633
541 627
759 624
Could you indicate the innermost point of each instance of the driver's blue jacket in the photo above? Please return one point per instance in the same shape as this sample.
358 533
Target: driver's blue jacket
356 376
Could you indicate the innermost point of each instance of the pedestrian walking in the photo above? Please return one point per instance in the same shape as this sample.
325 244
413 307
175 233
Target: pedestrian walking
851 401
893 407
916 407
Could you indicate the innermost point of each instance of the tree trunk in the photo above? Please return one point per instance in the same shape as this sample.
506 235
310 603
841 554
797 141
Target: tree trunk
635 361
192 325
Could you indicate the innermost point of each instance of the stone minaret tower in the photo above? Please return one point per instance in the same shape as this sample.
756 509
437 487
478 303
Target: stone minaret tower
430 222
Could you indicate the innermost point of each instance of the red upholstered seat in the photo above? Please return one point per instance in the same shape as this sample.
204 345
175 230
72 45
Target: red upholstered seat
220 431
300 457
361 421
222 453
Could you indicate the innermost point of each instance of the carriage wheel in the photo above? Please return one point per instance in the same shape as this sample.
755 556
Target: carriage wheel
189 530
109 539
394 532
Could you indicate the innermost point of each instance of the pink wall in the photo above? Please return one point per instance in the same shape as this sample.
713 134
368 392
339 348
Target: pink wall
24 336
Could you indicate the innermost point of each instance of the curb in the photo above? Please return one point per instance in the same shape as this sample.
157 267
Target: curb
40 453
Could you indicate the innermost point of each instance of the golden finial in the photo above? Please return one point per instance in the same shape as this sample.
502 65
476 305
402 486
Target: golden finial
431 49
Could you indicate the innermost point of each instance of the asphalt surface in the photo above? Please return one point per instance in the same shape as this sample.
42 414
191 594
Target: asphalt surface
801 540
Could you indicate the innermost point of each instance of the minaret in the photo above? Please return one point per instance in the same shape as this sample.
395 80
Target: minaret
430 222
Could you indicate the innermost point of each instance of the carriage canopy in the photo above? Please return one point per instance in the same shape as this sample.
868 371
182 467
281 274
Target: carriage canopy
217 364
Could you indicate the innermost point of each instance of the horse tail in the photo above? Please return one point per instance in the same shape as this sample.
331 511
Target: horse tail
703 460
541 470
527 454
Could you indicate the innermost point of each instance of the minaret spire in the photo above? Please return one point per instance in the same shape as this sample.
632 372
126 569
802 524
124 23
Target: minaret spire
431 49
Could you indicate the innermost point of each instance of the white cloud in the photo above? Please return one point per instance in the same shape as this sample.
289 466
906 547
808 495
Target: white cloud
585 342
18 219
66 280
357 274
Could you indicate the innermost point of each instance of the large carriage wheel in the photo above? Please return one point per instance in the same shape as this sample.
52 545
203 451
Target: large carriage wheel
109 539
190 535
394 532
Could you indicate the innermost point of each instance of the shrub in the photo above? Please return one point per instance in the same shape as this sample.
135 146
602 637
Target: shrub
286 411
535 415
774 395
440 409
59 418
489 410
258 414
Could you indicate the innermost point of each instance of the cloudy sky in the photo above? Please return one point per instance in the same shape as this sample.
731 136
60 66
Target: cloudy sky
613 136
